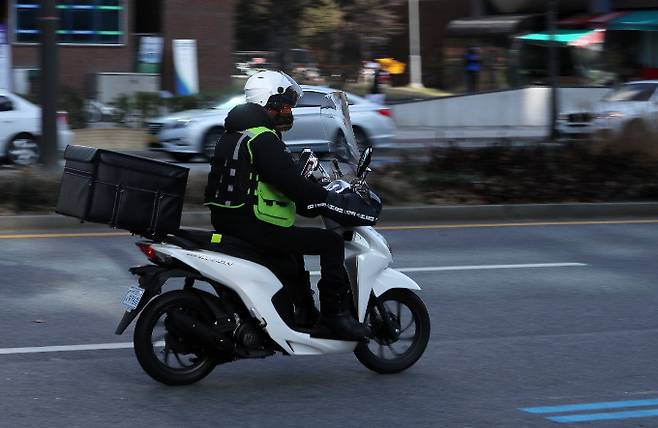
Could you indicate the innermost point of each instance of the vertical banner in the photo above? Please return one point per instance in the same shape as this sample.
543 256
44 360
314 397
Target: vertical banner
5 60
185 67
149 56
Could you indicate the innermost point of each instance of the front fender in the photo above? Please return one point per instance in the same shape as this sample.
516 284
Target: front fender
386 280
391 278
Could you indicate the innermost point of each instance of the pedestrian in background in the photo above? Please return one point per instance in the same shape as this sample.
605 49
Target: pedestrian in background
472 67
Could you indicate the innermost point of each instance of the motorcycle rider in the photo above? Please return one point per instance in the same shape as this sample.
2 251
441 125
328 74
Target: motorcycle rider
254 191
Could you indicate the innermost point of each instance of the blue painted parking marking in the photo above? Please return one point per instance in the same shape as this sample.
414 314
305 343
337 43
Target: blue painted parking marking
549 412
588 417
591 406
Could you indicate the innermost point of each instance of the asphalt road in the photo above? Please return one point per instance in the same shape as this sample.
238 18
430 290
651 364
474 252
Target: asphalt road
505 337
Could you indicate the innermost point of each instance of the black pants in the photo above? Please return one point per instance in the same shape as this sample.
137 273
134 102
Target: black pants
295 240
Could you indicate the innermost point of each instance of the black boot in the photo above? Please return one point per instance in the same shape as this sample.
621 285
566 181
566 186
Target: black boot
336 320
306 314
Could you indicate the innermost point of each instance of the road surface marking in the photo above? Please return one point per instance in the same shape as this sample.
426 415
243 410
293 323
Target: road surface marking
602 416
71 348
128 345
411 227
588 417
63 235
543 223
591 406
480 267
66 348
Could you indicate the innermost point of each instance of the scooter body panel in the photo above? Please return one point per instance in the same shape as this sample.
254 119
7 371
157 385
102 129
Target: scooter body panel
256 285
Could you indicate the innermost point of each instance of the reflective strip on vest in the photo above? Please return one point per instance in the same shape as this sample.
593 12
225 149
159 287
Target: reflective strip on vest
269 205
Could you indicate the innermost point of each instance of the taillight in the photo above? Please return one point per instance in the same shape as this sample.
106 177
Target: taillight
147 250
385 112
154 256
63 117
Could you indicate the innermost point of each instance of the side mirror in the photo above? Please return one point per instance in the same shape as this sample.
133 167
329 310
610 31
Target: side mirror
364 162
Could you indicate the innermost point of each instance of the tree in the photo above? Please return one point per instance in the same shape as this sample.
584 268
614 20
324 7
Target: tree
340 33
322 38
371 23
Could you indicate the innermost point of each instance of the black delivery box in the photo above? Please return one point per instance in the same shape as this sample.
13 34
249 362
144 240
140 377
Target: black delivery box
141 195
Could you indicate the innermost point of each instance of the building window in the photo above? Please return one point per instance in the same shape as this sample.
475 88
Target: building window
147 15
80 21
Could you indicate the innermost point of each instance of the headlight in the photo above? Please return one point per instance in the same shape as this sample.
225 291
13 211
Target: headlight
180 123
610 115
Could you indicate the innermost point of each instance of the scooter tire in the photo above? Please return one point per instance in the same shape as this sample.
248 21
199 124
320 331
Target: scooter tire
421 337
143 345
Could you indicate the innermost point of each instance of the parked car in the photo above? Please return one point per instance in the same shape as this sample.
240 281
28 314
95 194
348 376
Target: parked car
628 111
21 128
575 125
195 132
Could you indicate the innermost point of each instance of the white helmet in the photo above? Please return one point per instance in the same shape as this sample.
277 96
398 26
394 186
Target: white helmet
265 84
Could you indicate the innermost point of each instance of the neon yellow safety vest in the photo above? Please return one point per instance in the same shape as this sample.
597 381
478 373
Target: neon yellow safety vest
237 183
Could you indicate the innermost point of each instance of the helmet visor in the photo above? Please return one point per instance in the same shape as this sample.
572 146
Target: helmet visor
293 93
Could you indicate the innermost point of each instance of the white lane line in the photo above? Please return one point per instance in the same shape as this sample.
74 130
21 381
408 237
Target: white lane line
71 348
480 267
128 345
66 348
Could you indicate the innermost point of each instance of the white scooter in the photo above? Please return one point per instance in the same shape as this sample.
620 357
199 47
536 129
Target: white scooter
244 311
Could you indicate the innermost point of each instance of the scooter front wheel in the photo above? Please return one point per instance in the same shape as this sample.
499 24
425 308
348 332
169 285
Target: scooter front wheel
400 328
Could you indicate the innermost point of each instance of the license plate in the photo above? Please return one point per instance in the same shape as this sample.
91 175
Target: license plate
133 296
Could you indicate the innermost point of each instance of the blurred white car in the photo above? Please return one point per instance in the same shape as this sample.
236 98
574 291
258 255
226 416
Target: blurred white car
20 128
190 133
575 125
629 111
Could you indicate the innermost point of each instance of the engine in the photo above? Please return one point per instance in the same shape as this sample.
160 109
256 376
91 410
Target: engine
250 335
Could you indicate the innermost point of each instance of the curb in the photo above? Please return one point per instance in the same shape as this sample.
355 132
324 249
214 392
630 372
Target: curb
412 214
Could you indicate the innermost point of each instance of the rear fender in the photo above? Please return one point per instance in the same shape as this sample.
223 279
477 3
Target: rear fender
151 279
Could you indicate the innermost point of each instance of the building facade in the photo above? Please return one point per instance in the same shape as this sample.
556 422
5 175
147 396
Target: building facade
508 34
97 36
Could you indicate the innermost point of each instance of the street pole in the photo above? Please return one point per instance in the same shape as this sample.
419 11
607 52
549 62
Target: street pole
48 77
553 67
415 63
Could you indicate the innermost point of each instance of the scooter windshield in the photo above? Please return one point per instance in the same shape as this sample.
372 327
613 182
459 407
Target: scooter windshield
342 142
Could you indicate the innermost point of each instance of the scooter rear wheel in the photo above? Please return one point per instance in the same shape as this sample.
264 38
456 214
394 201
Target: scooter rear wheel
165 355
398 343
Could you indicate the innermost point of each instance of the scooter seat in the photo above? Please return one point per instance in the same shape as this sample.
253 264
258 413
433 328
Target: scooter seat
197 239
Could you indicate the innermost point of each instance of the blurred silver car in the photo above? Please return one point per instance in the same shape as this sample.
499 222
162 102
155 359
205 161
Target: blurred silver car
628 111
195 132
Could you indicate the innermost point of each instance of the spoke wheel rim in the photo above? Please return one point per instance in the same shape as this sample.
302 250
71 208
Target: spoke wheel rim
23 151
400 344
168 348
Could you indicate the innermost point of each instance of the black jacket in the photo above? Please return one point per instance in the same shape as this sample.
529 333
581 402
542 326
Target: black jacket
273 163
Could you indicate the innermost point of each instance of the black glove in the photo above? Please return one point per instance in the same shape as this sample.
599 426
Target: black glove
349 209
